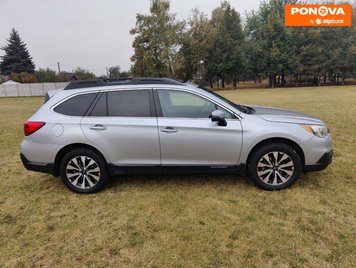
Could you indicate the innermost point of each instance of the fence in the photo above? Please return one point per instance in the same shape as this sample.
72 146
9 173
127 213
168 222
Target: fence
34 89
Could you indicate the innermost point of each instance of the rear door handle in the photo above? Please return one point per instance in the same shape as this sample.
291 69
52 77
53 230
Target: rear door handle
98 127
169 130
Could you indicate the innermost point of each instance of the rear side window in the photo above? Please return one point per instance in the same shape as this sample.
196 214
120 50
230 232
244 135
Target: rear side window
135 103
76 106
128 103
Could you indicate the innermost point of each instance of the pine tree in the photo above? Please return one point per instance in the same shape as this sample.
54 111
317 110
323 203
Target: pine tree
17 59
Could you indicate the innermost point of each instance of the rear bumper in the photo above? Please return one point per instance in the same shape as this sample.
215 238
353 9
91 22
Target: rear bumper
43 168
322 163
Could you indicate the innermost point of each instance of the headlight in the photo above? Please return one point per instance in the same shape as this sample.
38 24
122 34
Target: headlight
319 131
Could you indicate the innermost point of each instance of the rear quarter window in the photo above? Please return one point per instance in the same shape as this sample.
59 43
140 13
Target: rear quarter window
76 106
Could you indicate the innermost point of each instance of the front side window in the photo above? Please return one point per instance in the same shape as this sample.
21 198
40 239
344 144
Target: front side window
128 103
76 106
186 105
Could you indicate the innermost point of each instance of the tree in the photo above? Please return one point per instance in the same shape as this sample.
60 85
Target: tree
226 58
46 75
310 55
83 74
157 41
23 77
195 43
253 50
223 50
342 47
17 59
273 49
126 74
114 71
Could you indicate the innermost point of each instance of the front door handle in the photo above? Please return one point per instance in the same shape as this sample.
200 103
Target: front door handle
169 130
98 127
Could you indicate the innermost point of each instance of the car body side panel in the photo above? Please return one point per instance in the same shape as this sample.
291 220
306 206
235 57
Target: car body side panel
200 142
40 153
58 132
256 130
126 140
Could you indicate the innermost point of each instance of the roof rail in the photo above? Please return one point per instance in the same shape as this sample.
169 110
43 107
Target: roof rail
121 81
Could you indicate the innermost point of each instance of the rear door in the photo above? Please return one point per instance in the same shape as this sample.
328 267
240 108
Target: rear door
188 136
123 124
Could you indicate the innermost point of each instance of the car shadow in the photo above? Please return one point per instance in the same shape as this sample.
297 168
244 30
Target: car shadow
178 179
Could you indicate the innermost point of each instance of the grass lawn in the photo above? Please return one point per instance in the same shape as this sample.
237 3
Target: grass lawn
185 221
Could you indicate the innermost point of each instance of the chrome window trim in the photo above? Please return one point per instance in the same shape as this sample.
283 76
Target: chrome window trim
238 116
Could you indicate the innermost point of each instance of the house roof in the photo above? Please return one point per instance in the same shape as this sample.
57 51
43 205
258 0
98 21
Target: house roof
69 76
10 82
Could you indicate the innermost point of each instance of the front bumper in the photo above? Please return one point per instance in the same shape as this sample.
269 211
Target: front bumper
46 168
322 163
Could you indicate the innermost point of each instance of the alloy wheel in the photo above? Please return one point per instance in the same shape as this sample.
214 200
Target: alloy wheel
83 172
275 168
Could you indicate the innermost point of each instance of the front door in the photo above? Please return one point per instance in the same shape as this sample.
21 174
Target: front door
188 136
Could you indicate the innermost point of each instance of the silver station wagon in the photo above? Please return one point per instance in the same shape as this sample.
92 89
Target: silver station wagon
92 130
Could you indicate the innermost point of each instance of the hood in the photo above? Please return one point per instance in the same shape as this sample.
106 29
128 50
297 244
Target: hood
285 116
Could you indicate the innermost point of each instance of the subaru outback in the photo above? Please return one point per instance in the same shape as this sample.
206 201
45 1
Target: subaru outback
92 130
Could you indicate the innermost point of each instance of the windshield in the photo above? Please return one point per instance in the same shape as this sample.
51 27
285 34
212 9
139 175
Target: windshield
241 108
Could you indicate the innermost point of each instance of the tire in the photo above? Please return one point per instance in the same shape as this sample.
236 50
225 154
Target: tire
274 166
84 179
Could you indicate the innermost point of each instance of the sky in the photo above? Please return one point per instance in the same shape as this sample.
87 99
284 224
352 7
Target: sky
92 34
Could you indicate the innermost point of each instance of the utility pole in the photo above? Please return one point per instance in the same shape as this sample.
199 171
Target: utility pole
59 68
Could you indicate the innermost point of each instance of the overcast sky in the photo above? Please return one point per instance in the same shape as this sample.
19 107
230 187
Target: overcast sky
92 34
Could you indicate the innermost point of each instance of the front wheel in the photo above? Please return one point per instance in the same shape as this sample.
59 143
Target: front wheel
84 171
274 166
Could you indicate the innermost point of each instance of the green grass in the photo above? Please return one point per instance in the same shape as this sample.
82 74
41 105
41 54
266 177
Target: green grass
185 221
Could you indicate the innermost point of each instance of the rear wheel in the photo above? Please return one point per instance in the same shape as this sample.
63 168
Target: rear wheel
275 166
84 171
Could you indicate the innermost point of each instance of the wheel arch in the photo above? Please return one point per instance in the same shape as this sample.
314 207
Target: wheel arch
289 142
62 152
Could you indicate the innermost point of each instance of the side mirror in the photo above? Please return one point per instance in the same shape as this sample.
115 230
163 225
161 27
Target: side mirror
219 116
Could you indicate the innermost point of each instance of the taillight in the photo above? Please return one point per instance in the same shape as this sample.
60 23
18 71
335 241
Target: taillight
30 127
